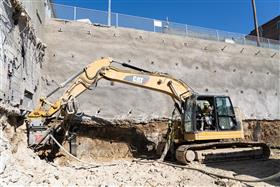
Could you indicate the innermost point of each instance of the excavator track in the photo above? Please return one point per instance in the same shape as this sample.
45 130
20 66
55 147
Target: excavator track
221 151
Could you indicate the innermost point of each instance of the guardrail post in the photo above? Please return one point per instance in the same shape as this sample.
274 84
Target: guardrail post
109 13
217 34
117 20
75 13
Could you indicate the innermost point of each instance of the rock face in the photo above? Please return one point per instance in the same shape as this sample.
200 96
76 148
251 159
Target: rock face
22 51
263 131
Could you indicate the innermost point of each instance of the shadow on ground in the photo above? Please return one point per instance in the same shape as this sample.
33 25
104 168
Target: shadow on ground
255 168
127 133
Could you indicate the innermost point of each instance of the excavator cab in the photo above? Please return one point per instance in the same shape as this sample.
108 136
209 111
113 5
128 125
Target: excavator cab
204 113
207 122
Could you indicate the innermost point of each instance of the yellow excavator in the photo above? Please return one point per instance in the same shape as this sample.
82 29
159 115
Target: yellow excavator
200 136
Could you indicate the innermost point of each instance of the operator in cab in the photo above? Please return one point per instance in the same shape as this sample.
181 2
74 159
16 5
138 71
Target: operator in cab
206 111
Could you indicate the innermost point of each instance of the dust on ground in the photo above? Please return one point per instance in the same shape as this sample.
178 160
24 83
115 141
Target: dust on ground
21 166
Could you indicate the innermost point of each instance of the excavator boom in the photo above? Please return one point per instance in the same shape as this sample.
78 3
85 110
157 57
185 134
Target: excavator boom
103 69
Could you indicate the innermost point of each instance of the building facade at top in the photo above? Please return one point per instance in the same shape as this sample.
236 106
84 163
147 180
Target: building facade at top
270 29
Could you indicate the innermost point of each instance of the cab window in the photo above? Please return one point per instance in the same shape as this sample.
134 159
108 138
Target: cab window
225 113
224 106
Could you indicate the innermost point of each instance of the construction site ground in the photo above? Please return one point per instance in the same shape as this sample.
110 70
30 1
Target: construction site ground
111 161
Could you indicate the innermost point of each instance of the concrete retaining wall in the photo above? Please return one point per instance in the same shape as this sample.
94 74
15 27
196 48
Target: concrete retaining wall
249 75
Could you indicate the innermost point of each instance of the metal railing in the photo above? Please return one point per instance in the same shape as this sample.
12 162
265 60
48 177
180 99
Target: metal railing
160 26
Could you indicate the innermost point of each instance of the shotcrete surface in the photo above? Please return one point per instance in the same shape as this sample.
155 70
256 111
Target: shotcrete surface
249 75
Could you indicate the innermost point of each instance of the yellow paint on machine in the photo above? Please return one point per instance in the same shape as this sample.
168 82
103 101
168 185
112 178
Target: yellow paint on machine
213 135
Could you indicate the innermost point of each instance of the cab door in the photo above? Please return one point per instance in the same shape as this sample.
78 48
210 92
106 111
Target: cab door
225 114
190 114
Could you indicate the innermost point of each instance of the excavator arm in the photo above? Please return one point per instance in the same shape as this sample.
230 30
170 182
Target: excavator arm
103 69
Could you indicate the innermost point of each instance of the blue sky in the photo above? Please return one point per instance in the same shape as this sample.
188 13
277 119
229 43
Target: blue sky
228 15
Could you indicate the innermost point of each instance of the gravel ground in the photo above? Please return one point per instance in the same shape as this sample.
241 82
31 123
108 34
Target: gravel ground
20 166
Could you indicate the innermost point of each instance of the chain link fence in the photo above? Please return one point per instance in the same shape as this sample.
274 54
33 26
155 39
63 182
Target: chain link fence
160 26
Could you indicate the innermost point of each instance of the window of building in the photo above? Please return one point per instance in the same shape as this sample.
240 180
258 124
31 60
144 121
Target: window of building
278 25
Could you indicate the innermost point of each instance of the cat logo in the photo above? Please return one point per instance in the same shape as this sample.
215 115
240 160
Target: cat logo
137 79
